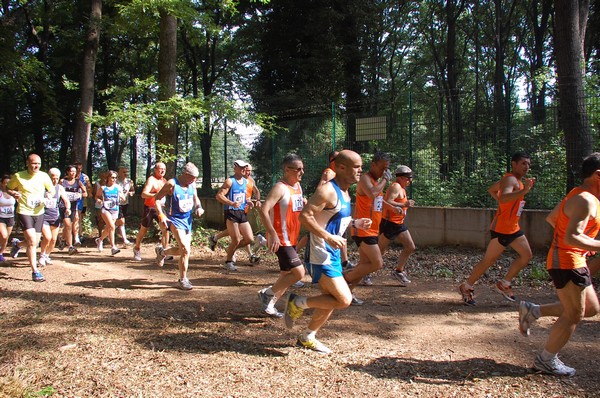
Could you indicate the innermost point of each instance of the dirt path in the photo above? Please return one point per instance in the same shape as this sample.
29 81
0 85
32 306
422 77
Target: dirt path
112 327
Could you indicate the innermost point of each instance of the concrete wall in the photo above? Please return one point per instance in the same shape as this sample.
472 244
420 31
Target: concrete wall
429 226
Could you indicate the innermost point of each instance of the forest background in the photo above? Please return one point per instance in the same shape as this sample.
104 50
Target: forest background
450 88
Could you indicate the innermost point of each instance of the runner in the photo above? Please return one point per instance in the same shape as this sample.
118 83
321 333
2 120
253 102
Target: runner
576 222
153 184
75 190
279 215
505 230
81 207
392 228
128 188
233 196
30 187
53 215
369 204
183 201
327 215
108 196
7 215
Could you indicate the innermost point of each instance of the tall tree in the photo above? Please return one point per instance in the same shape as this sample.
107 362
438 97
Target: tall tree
569 34
81 136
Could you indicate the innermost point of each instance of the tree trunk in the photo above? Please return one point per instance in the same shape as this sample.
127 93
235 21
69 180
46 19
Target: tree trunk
81 138
167 75
570 19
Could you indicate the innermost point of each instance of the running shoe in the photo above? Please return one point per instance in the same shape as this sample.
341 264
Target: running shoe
160 255
313 344
72 250
137 255
42 260
77 242
356 301
468 295
400 276
184 284
99 244
61 244
272 311
526 317
506 291
2 259
553 366
48 260
14 251
292 311
261 240
212 242
127 243
37 276
366 281
230 266
254 259
265 299
168 258
298 284
114 251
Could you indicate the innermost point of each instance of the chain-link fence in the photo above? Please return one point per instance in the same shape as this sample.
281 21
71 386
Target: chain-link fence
453 163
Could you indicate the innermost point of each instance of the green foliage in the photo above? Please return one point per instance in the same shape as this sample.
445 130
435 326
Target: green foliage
47 391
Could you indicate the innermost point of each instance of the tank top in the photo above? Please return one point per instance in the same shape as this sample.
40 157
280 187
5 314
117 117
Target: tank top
51 205
156 186
249 189
561 255
73 191
181 205
391 215
237 193
7 205
506 220
369 208
335 220
111 197
285 214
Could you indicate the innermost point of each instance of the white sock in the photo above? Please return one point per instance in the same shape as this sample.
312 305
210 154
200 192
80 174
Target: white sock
546 356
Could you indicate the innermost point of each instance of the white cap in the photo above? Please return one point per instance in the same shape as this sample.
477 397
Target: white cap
240 163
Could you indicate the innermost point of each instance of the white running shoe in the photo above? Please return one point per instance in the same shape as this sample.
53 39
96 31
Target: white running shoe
526 317
184 284
99 244
230 266
400 276
137 255
553 366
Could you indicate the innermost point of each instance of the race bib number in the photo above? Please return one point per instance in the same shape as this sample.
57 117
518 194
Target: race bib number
109 204
7 210
344 222
239 197
378 204
73 196
50 203
297 203
34 202
521 207
186 205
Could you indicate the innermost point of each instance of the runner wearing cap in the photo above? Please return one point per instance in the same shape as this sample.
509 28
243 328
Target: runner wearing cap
392 227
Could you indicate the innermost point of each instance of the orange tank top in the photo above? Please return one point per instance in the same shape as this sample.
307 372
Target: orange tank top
368 208
393 216
156 186
249 189
561 255
285 215
506 220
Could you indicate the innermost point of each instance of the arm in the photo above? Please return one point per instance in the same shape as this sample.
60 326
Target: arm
147 191
63 196
508 188
272 198
324 196
99 195
222 194
366 187
394 192
579 209
198 204
167 189
83 189
551 218
493 190
327 176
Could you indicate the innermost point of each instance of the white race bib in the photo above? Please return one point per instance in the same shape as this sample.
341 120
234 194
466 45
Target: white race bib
186 205
7 210
297 202
521 207
50 203
73 196
109 204
378 204
239 197
34 202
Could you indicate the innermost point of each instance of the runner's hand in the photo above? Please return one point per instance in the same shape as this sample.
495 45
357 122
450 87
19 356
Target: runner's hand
336 241
387 174
363 223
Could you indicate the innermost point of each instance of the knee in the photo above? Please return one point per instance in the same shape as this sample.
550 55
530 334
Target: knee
184 251
409 249
344 302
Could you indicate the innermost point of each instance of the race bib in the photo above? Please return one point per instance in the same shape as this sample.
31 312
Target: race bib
239 197
50 203
73 196
378 204
34 202
109 204
186 205
7 210
297 202
521 207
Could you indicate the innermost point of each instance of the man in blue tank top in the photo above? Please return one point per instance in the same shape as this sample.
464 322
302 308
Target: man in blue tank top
326 216
183 203
233 196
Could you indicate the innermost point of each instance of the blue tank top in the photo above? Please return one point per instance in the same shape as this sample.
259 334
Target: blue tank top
51 206
111 197
237 193
181 206
336 220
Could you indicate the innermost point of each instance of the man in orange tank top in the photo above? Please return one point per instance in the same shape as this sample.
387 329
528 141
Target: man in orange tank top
576 222
280 215
369 204
392 228
504 230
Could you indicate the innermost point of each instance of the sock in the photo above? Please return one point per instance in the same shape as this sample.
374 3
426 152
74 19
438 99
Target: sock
546 356
300 301
505 282
468 287
311 334
122 229
272 302
536 311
